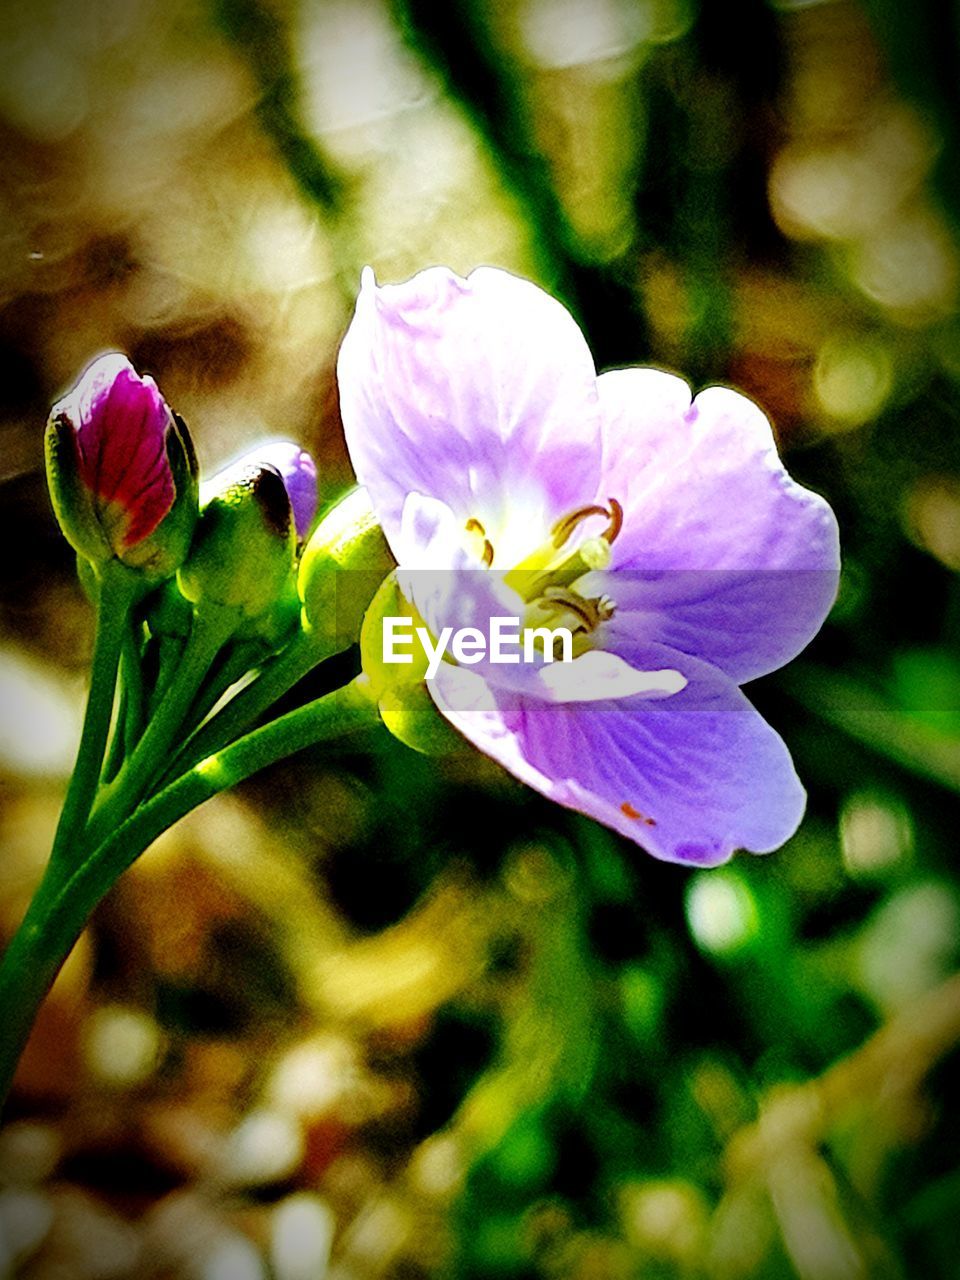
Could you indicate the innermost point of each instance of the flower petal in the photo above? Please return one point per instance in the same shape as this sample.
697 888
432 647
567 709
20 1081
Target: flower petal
691 777
298 472
122 422
745 623
439 576
722 555
478 391
596 676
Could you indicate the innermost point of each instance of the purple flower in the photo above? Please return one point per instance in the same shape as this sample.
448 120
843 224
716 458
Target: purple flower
299 475
665 533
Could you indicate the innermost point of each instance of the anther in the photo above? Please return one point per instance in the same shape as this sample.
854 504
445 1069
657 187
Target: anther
614 512
563 528
616 521
585 610
473 525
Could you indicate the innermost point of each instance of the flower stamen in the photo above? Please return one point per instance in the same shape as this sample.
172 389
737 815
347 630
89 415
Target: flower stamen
564 528
473 526
590 612
612 530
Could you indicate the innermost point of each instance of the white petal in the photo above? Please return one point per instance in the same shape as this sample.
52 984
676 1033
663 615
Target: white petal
595 675
480 392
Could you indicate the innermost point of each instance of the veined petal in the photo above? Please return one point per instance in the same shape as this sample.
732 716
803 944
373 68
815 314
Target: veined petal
722 555
430 536
691 777
440 577
122 470
479 391
121 423
745 622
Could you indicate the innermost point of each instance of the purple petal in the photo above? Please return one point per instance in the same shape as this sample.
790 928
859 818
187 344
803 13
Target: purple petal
721 555
438 575
746 623
691 777
299 474
480 392
121 422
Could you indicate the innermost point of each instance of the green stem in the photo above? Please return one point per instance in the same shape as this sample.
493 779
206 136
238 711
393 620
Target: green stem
298 659
131 670
211 630
113 757
46 936
118 590
232 665
169 652
130 712
343 711
64 900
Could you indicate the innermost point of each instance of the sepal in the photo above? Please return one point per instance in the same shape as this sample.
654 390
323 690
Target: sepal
389 602
409 713
243 550
341 569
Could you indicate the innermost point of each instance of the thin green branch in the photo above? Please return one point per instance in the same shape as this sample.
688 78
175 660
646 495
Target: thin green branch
241 713
66 897
116 595
211 630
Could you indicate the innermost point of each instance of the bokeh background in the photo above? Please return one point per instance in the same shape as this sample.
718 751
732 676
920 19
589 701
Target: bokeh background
382 1016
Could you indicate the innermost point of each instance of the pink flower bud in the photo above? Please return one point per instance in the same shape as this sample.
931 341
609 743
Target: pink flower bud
122 470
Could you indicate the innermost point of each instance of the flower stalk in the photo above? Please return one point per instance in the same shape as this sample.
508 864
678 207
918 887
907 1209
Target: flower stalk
188 602
68 894
117 592
211 631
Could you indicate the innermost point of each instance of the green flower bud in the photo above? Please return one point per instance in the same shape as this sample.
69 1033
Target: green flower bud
243 550
389 602
399 688
341 568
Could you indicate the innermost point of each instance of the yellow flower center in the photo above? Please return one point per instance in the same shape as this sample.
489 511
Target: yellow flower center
546 579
